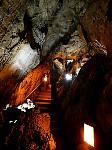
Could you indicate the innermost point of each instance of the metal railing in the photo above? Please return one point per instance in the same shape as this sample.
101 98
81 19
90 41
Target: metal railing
37 86
33 90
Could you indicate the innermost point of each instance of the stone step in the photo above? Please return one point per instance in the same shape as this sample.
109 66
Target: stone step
41 98
49 86
44 95
43 89
44 103
46 90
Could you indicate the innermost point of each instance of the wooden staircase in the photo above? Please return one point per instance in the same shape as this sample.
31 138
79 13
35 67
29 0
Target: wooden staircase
46 105
43 100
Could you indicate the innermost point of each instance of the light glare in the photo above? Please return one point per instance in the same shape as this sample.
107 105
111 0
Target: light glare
45 78
68 76
89 134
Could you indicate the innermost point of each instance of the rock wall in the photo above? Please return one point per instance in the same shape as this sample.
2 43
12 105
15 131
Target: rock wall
30 82
88 101
30 31
98 27
15 91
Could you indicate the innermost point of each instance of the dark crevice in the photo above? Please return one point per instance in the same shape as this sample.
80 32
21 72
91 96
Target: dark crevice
44 29
37 138
66 38
61 1
1 1
29 33
60 60
22 35
109 11
10 49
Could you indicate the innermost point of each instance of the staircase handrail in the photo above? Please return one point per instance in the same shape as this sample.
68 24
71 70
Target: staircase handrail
33 90
36 87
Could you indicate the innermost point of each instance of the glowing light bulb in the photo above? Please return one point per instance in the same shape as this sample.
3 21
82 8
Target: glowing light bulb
68 76
45 78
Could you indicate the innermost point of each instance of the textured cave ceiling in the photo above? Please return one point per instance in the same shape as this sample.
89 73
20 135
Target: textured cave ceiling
36 31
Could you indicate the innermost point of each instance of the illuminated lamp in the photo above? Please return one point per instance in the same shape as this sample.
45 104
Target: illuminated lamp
68 76
89 134
45 77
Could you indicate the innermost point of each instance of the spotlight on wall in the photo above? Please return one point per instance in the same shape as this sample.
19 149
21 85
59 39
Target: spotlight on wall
68 76
89 134
45 77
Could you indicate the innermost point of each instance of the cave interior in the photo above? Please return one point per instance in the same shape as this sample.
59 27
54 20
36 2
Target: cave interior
55 74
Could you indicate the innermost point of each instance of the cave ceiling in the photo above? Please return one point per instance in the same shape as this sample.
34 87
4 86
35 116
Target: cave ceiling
31 30
37 31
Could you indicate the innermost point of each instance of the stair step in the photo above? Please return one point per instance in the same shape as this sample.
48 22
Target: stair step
43 103
42 100
45 93
46 90
44 96
49 86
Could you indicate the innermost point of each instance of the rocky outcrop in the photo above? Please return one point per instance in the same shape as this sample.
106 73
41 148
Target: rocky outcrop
29 130
98 27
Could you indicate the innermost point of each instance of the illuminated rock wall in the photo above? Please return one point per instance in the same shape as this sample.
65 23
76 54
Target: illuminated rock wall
30 31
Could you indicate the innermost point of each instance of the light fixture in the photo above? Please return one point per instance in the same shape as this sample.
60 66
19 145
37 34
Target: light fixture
45 77
89 134
68 76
